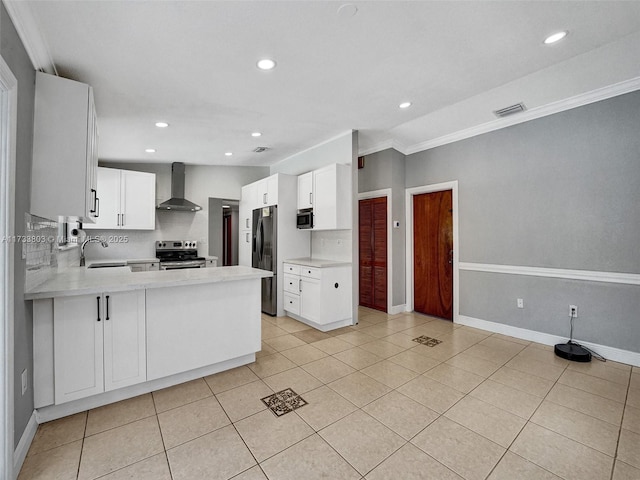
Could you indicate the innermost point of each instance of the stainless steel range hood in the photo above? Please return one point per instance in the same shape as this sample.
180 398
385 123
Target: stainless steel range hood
177 202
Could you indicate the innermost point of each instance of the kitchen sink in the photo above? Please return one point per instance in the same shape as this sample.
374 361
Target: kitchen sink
107 265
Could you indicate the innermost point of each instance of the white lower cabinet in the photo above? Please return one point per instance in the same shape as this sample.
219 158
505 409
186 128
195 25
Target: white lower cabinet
99 343
320 297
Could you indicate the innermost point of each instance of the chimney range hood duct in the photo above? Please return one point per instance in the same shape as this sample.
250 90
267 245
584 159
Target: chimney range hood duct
177 202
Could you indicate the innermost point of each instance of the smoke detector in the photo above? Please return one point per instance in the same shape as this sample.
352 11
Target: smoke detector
260 149
510 110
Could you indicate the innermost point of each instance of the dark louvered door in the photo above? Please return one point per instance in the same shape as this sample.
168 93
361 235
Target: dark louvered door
373 253
433 254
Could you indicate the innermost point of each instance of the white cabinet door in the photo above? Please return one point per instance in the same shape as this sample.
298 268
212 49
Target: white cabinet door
124 339
138 196
267 193
244 248
247 203
78 347
332 198
91 202
127 200
311 299
305 191
64 156
108 205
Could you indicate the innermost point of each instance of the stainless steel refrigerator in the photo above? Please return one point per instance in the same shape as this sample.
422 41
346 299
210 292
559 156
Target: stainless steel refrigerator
265 236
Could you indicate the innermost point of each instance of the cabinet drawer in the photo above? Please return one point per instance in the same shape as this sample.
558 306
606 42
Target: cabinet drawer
292 303
292 283
291 268
310 272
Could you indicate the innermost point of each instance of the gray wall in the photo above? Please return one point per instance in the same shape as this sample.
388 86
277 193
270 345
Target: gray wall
563 192
15 56
386 169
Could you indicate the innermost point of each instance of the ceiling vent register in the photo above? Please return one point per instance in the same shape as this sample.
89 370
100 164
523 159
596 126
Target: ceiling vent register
505 112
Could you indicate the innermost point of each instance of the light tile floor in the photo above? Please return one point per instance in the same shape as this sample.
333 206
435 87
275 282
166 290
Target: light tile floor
379 406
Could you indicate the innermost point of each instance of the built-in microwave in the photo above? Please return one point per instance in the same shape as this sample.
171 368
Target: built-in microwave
305 219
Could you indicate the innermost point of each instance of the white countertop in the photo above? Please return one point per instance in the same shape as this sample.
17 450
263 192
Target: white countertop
81 280
317 262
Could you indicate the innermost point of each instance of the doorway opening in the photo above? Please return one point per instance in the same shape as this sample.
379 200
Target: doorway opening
372 234
432 250
224 217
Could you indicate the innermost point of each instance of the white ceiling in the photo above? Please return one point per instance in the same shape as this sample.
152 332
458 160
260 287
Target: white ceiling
192 64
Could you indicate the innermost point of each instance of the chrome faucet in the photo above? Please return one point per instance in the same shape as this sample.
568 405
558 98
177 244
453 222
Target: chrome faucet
88 240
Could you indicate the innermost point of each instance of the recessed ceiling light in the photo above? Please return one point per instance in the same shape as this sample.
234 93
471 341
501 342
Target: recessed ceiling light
150 150
266 64
347 10
405 105
256 134
228 154
162 124
556 37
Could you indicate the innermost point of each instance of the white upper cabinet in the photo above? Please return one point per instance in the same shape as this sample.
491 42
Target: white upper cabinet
329 195
127 200
247 204
267 191
137 200
65 150
305 191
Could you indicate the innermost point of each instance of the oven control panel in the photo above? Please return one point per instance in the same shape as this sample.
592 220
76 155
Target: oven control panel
176 244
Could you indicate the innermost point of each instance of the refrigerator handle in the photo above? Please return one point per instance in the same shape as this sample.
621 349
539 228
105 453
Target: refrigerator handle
258 241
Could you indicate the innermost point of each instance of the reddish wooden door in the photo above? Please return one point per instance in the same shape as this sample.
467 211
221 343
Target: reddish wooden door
373 253
433 254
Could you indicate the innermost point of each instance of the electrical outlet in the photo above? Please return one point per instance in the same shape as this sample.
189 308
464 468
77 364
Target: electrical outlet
520 303
573 311
24 381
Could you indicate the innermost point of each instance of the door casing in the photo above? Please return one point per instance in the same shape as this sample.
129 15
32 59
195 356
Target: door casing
385 192
410 192
8 129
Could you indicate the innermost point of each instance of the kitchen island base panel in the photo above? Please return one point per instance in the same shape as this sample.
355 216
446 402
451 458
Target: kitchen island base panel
54 412
322 327
194 326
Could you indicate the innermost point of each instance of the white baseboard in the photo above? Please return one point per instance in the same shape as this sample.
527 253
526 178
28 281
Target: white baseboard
610 353
322 326
20 453
53 412
395 309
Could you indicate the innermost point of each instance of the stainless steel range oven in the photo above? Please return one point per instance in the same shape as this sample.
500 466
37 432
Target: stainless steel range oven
178 254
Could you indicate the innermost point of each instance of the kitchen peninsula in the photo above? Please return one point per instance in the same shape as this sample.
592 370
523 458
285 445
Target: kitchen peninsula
105 334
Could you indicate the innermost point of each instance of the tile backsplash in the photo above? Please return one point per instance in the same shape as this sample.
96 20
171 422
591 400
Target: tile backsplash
40 250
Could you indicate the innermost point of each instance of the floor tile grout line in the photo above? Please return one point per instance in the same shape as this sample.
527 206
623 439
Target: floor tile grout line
440 361
317 432
528 420
624 411
592 393
84 435
586 414
562 435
